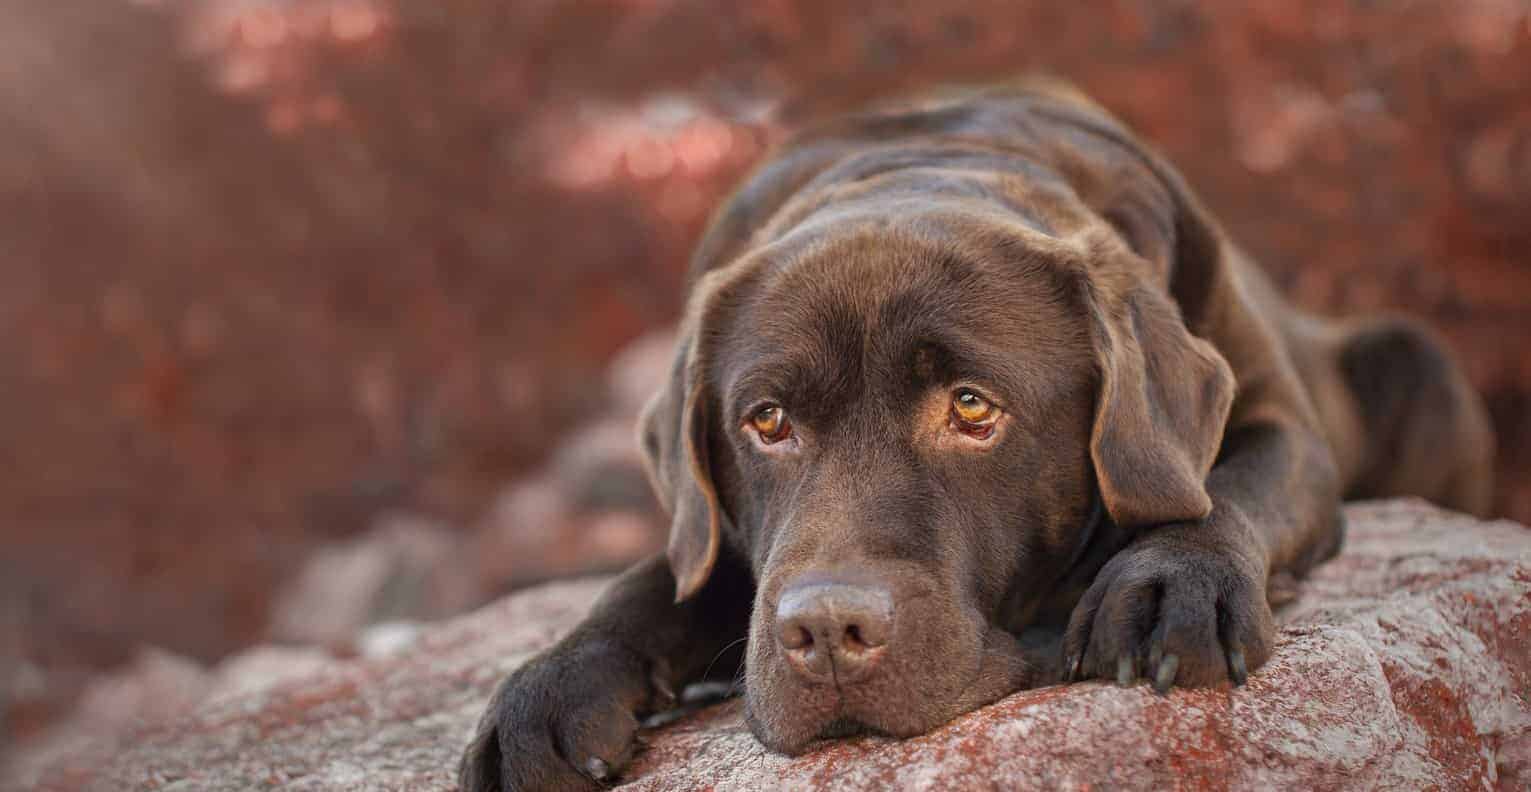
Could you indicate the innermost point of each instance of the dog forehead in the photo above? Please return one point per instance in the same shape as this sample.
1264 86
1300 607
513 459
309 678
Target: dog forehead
954 273
873 299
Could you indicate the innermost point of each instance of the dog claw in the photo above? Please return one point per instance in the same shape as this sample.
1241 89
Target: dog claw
1124 673
597 768
1165 679
1236 668
1071 668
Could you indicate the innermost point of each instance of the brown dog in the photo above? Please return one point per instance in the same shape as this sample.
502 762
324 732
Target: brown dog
972 394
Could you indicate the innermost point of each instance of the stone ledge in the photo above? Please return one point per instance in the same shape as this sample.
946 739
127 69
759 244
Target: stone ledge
1404 663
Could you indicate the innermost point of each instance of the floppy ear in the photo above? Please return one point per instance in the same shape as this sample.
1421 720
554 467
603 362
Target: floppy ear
1164 400
674 437
1164 393
674 432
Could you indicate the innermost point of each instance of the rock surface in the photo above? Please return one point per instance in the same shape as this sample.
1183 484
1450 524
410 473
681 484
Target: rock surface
1405 663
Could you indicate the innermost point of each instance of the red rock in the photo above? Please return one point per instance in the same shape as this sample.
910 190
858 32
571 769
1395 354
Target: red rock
399 569
1404 663
157 686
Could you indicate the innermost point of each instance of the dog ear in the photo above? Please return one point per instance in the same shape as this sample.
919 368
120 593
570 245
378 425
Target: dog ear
1165 393
675 432
1164 399
674 438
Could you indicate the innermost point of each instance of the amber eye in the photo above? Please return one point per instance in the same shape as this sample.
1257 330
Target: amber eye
772 424
973 413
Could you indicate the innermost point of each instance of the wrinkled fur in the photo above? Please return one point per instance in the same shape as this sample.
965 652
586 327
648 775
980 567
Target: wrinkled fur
1174 434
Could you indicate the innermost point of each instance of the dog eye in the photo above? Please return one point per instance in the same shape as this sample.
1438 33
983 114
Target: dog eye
973 413
771 423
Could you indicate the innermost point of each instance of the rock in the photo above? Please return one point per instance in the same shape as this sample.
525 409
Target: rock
588 509
1404 663
400 569
387 638
261 667
156 686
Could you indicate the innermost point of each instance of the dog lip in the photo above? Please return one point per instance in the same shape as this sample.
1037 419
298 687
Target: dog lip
842 726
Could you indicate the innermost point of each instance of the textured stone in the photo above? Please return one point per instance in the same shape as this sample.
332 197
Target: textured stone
392 571
1405 663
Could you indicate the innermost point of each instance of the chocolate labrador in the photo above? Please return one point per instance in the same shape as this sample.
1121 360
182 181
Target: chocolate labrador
973 394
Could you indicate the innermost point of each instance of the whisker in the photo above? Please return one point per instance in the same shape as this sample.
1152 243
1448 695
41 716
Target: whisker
720 654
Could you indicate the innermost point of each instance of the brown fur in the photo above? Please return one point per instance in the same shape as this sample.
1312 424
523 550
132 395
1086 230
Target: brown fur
1173 435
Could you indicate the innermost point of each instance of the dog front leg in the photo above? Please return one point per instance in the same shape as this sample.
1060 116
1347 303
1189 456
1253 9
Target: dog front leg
1185 604
568 718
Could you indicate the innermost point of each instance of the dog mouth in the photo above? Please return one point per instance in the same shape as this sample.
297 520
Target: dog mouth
913 695
847 726
808 716
811 721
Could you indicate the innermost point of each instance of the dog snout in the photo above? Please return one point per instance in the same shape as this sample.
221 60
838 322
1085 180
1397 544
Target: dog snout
832 630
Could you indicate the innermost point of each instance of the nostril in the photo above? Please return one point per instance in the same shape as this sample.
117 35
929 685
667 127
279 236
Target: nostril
823 626
795 637
864 635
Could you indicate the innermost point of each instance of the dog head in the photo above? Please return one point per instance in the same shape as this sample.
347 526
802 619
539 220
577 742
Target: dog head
903 405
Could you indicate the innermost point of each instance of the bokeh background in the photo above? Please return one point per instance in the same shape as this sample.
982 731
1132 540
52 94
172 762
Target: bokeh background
322 317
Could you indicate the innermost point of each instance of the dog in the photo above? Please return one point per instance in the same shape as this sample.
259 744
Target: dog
973 394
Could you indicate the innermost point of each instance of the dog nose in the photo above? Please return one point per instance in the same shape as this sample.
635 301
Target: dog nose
833 630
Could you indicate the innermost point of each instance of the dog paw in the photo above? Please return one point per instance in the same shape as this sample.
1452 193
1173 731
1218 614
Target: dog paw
1174 613
567 720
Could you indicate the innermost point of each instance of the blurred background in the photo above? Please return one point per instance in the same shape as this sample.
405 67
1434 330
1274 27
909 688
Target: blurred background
319 318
